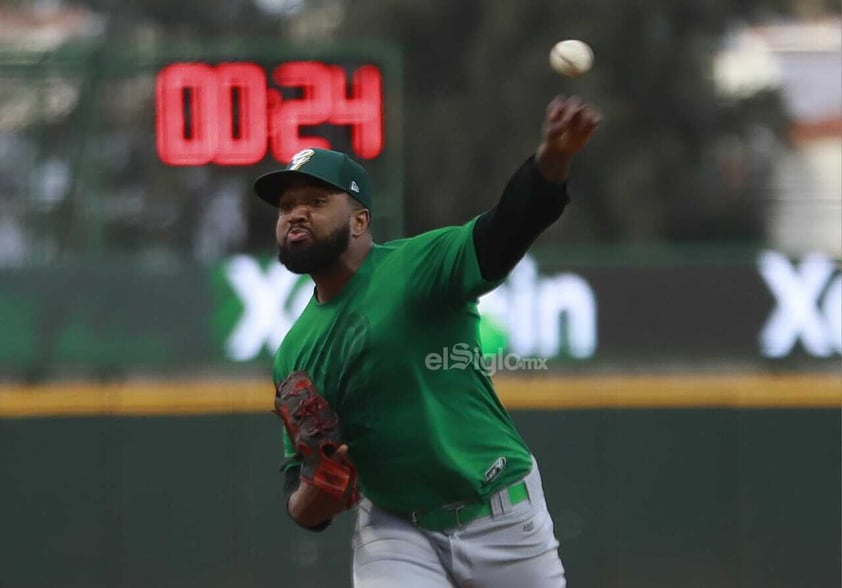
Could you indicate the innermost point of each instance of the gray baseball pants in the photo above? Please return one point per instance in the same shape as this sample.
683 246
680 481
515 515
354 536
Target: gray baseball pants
513 548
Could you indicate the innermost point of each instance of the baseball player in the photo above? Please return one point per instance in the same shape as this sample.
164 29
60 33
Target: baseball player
446 491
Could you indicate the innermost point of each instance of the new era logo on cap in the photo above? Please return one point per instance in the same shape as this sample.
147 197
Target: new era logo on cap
354 187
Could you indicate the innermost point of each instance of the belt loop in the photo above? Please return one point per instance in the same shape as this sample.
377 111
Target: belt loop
500 504
534 488
457 510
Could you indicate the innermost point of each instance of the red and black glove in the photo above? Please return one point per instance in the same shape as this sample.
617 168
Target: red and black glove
313 427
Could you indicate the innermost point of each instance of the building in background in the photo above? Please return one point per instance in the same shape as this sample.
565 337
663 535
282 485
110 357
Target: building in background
34 183
802 60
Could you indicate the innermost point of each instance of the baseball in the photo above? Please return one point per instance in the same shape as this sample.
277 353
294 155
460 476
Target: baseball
571 58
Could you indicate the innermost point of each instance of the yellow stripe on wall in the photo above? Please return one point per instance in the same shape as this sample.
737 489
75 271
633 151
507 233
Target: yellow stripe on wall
674 391
549 393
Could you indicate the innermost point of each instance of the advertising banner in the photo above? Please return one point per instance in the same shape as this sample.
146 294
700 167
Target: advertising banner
112 316
774 309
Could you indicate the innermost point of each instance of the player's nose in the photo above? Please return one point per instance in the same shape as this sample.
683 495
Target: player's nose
299 213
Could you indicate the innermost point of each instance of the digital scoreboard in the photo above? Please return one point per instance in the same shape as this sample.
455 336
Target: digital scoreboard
236 113
242 109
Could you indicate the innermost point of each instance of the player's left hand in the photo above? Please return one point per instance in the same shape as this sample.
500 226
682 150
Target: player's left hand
568 126
313 428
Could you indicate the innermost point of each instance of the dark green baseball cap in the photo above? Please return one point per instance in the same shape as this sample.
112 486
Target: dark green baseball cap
331 167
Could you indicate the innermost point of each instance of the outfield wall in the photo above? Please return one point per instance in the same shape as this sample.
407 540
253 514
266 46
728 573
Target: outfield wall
156 487
113 319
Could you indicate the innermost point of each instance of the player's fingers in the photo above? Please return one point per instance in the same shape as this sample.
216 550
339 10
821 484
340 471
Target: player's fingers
584 135
567 114
341 454
554 106
556 130
553 131
592 116
568 122
577 118
562 108
586 120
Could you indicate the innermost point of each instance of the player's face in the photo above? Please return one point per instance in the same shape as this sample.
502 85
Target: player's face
313 227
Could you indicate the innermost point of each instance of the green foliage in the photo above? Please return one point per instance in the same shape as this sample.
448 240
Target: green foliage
671 159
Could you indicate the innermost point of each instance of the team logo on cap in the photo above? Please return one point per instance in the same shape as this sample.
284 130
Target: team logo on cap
300 159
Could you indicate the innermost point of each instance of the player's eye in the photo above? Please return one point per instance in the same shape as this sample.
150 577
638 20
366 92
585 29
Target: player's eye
318 201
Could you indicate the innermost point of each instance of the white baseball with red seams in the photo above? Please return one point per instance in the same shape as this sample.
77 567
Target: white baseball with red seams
571 58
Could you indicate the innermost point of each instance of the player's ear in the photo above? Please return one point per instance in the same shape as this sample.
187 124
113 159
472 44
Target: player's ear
360 221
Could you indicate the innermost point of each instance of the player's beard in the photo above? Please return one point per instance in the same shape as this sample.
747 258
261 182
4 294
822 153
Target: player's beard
318 255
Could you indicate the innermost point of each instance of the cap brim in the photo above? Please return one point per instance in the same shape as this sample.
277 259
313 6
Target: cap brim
270 186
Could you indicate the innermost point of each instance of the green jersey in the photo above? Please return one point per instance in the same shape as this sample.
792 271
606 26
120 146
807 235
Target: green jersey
389 353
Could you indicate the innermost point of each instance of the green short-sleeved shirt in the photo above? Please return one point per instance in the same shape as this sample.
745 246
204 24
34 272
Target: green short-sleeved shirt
421 436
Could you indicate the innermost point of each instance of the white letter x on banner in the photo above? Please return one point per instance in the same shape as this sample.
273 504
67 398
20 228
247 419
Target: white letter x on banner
796 315
265 319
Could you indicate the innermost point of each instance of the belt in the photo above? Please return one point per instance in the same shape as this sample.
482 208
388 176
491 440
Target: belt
448 517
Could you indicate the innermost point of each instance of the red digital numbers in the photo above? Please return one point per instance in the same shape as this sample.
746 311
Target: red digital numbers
226 115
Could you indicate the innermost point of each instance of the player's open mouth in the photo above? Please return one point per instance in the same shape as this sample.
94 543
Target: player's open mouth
297 234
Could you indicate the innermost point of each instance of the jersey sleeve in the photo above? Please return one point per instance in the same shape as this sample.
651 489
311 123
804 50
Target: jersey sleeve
443 265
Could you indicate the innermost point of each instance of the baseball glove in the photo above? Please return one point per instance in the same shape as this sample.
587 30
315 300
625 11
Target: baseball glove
313 427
